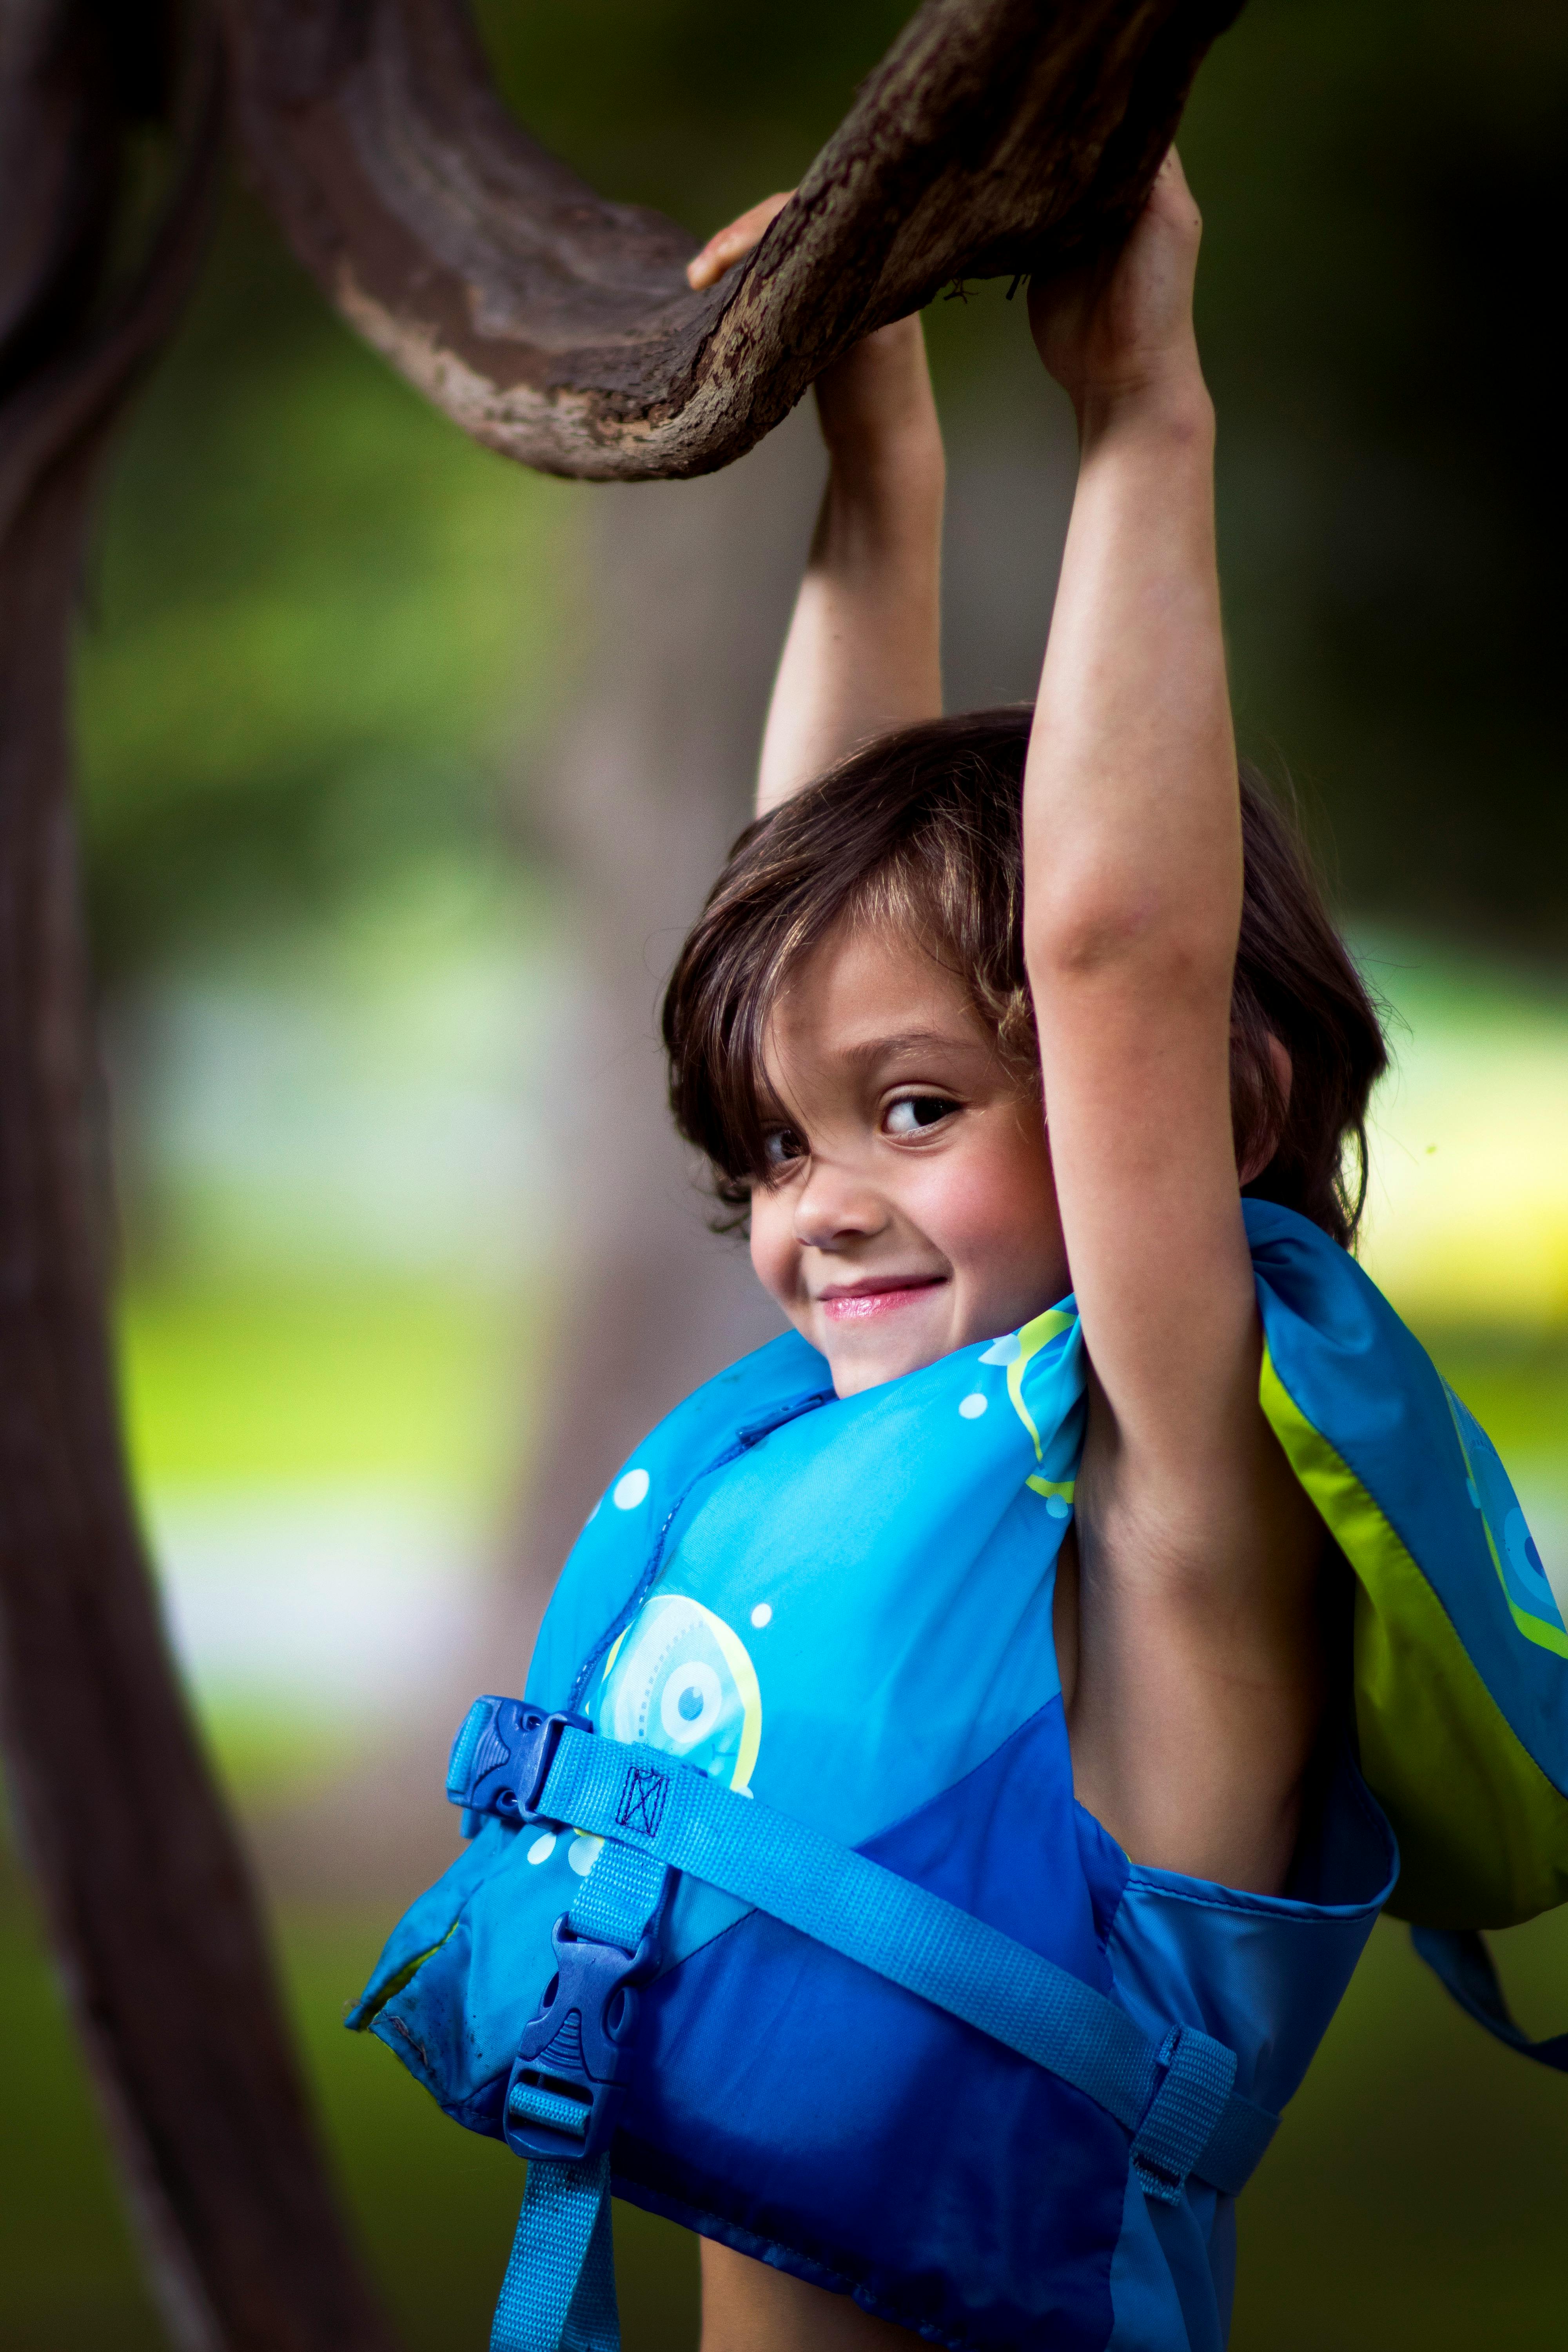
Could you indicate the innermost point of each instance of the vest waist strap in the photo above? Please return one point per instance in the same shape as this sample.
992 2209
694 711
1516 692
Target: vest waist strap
1176 2097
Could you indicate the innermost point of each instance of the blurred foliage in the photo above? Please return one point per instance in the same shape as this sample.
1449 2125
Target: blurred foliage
1386 191
319 615
691 107
1511 1379
1386 194
318 622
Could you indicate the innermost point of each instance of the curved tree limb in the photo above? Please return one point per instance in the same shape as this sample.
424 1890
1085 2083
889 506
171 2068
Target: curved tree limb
997 136
149 1906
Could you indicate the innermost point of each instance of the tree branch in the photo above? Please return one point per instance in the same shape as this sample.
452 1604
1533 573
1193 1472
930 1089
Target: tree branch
997 136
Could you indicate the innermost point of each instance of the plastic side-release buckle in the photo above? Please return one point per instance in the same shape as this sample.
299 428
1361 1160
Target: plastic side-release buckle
1197 2078
572 2064
501 1758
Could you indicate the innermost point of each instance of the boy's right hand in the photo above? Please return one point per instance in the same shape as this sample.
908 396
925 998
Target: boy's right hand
1125 332
874 402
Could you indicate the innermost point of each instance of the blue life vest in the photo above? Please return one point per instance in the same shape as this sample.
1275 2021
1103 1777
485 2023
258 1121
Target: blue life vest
779 1913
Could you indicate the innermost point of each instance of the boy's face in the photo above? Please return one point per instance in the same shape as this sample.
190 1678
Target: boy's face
912 1210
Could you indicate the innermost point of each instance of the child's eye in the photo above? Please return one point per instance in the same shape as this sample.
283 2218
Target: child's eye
910 1113
782 1144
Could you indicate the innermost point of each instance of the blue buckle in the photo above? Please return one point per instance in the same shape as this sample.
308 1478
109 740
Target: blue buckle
501 1758
572 2064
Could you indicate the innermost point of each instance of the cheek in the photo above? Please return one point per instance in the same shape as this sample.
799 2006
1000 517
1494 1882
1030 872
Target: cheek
997 1201
774 1253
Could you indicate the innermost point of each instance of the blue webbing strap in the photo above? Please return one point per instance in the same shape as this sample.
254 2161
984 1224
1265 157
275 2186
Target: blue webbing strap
1460 1961
559 2292
1177 2098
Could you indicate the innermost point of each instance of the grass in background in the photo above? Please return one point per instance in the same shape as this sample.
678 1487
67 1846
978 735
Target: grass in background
240 1384
1415 2192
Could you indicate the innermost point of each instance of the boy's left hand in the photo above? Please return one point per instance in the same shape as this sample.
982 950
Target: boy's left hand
875 400
727 245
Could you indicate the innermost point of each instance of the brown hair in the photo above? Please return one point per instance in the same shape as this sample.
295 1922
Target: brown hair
922 829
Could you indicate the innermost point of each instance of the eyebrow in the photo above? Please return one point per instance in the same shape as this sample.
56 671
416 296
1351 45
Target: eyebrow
769 1109
910 1041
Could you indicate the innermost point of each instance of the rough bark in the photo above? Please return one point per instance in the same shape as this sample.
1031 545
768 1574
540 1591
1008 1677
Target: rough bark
144 1891
997 136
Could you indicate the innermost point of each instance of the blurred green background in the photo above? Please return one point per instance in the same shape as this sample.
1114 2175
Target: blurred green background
325 647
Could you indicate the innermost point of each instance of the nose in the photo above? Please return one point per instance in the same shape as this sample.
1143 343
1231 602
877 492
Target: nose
836 1206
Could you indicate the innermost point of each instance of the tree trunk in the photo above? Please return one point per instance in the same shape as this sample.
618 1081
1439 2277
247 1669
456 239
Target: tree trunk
144 1891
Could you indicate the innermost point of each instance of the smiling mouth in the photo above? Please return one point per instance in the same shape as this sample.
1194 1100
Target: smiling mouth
858 1302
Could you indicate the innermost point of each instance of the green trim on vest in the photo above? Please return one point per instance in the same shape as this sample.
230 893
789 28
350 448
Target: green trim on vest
1486 1845
375 2000
1032 1337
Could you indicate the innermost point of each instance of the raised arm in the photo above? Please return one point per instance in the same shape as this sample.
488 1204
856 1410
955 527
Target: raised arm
1193 1692
863 653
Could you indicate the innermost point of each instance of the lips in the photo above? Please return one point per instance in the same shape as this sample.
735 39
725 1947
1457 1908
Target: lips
858 1302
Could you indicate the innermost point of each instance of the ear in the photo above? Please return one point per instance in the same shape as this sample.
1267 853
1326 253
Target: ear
1258 1159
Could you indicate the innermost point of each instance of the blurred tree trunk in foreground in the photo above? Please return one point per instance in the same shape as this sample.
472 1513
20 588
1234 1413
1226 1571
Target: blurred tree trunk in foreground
147 1900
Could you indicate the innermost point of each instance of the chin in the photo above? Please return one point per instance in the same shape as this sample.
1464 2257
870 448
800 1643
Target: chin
869 1365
